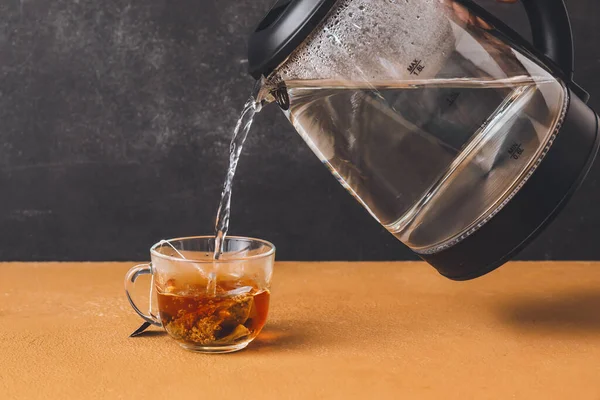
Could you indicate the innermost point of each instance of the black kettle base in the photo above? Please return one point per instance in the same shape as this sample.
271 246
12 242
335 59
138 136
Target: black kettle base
535 206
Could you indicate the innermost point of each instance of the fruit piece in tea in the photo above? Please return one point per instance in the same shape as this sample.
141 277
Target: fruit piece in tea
229 317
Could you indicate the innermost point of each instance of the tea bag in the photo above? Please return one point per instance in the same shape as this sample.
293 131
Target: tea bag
239 332
219 322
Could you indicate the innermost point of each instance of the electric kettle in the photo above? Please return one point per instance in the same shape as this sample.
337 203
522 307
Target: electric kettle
461 138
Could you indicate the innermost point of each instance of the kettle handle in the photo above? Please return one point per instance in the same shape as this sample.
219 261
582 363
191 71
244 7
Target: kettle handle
551 32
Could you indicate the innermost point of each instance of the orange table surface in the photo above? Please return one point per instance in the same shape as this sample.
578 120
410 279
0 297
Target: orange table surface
339 330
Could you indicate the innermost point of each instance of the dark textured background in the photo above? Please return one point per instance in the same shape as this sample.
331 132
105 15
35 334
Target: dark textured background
115 118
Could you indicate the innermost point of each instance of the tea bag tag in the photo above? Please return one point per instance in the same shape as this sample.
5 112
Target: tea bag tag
141 329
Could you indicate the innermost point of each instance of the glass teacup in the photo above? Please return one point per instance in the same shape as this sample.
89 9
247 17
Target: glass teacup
208 305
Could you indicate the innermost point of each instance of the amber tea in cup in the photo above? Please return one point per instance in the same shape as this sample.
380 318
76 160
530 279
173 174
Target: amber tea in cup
209 305
195 317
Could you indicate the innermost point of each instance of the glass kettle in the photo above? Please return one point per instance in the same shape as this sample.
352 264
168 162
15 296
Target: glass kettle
457 135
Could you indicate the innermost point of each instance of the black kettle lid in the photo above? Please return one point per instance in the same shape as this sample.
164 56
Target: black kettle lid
285 26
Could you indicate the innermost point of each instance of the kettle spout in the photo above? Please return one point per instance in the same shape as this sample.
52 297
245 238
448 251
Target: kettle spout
269 91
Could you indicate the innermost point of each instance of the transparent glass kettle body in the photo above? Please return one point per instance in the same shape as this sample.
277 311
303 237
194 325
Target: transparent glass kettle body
425 116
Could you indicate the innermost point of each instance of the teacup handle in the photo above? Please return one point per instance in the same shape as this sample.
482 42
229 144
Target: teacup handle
132 275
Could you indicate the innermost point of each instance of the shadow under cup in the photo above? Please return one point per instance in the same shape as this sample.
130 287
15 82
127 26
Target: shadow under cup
208 305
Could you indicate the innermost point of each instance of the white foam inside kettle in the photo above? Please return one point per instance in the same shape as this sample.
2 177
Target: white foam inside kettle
376 40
